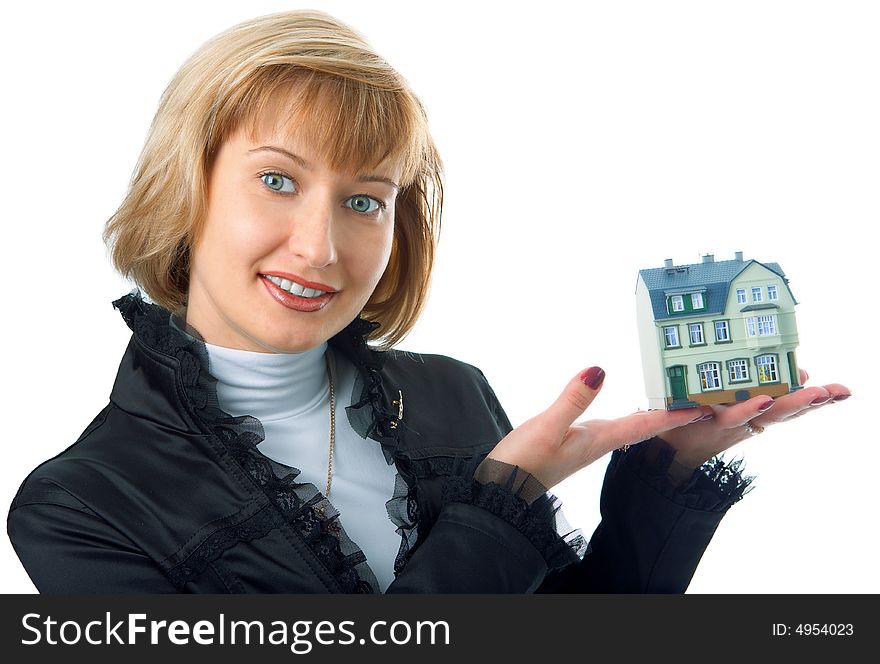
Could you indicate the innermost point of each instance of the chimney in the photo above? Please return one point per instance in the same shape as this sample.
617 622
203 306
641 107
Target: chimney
709 258
668 262
739 256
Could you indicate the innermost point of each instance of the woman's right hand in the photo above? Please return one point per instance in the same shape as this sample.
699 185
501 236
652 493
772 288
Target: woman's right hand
551 446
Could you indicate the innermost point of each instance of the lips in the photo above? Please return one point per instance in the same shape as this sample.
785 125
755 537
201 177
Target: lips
316 285
293 287
296 302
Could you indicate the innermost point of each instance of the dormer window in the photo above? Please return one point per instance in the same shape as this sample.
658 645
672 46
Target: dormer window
685 301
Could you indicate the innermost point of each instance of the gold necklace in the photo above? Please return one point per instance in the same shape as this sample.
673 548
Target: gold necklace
397 402
332 430
323 508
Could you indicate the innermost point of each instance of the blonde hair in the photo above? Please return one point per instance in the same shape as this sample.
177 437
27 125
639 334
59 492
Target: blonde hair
347 99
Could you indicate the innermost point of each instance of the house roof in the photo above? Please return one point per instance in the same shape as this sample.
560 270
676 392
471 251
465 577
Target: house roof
713 278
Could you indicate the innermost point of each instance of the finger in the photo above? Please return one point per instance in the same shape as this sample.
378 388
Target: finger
731 417
643 425
788 405
574 400
838 392
802 402
804 376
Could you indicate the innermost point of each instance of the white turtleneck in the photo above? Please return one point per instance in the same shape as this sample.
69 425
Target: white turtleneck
290 395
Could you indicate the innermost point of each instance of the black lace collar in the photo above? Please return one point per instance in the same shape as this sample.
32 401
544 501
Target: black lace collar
370 416
299 503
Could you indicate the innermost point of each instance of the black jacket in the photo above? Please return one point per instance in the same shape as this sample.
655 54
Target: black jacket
164 492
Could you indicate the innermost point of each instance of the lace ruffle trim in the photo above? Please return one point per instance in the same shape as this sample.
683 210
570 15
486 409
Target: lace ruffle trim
403 512
370 418
517 497
368 415
298 503
183 568
713 487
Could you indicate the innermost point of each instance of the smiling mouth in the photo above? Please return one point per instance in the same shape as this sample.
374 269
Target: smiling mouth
294 288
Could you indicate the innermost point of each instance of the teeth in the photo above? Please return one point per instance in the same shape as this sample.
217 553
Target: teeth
296 289
293 287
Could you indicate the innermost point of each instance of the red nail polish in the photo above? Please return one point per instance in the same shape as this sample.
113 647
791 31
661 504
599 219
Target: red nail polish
592 377
766 406
841 397
818 401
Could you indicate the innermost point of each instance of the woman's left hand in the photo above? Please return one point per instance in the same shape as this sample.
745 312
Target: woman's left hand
698 442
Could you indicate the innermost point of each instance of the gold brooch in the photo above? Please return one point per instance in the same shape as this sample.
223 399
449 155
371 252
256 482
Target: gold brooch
399 404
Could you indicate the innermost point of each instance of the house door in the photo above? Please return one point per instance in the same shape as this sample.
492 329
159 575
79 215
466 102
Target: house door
793 370
677 384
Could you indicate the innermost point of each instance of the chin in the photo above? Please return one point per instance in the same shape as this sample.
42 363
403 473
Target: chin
281 344
269 345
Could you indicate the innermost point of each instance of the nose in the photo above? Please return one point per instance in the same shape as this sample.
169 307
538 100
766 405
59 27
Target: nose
311 237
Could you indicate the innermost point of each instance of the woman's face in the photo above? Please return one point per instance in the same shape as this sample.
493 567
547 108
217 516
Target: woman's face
275 211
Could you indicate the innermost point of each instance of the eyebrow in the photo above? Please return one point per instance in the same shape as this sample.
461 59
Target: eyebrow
304 164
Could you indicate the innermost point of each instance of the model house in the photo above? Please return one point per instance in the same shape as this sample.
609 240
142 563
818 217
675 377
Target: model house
716 332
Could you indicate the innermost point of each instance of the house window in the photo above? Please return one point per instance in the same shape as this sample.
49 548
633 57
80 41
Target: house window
771 292
710 375
696 332
671 335
697 300
722 332
761 326
741 295
677 303
738 370
768 372
766 325
756 294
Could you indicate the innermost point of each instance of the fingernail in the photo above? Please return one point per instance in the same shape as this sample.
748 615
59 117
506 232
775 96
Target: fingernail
841 397
818 401
592 377
703 417
766 406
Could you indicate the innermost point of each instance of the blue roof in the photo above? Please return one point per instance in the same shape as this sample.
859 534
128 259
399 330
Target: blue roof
713 278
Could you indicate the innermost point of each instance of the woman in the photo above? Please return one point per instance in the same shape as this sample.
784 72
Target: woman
286 208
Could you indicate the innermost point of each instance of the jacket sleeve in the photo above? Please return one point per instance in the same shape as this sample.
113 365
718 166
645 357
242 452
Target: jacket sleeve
497 531
656 523
67 548
493 535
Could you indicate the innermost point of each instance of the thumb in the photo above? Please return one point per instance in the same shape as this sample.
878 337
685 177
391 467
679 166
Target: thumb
574 400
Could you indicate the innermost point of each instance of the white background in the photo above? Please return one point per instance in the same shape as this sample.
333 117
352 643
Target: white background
582 142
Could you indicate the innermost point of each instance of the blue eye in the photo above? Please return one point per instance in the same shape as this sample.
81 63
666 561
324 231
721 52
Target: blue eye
275 182
364 204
